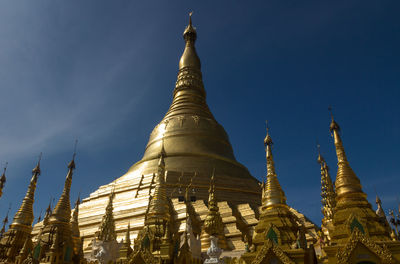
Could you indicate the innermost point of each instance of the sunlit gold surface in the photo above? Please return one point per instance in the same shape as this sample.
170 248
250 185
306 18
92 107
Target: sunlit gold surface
56 237
354 218
193 142
272 193
328 198
288 243
21 226
213 225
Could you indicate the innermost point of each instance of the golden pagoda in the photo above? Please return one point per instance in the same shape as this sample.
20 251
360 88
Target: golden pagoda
194 143
278 236
21 227
359 235
56 241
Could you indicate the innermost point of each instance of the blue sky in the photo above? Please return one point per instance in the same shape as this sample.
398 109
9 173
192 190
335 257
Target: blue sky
104 72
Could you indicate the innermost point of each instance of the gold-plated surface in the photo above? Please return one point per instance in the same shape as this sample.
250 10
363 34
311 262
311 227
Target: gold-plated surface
62 211
21 226
158 209
353 215
192 142
279 234
192 138
24 215
76 237
328 197
272 192
55 242
347 184
213 225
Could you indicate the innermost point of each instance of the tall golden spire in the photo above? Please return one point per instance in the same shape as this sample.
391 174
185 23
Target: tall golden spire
274 195
24 215
327 189
62 211
3 180
159 204
348 186
107 227
189 93
47 215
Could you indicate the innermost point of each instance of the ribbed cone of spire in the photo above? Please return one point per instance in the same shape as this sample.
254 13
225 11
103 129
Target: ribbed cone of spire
193 139
274 195
24 215
158 207
62 211
348 186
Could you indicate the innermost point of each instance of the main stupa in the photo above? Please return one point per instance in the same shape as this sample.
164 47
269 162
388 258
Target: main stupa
193 144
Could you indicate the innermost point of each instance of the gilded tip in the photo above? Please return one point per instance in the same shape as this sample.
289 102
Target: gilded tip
320 159
78 201
5 168
333 126
190 32
267 139
190 17
36 170
71 164
378 200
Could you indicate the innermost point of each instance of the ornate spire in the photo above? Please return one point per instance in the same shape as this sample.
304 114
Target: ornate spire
47 215
24 215
62 211
128 235
74 220
327 189
213 223
189 57
348 186
189 93
159 205
212 202
379 210
5 221
3 180
107 227
274 195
